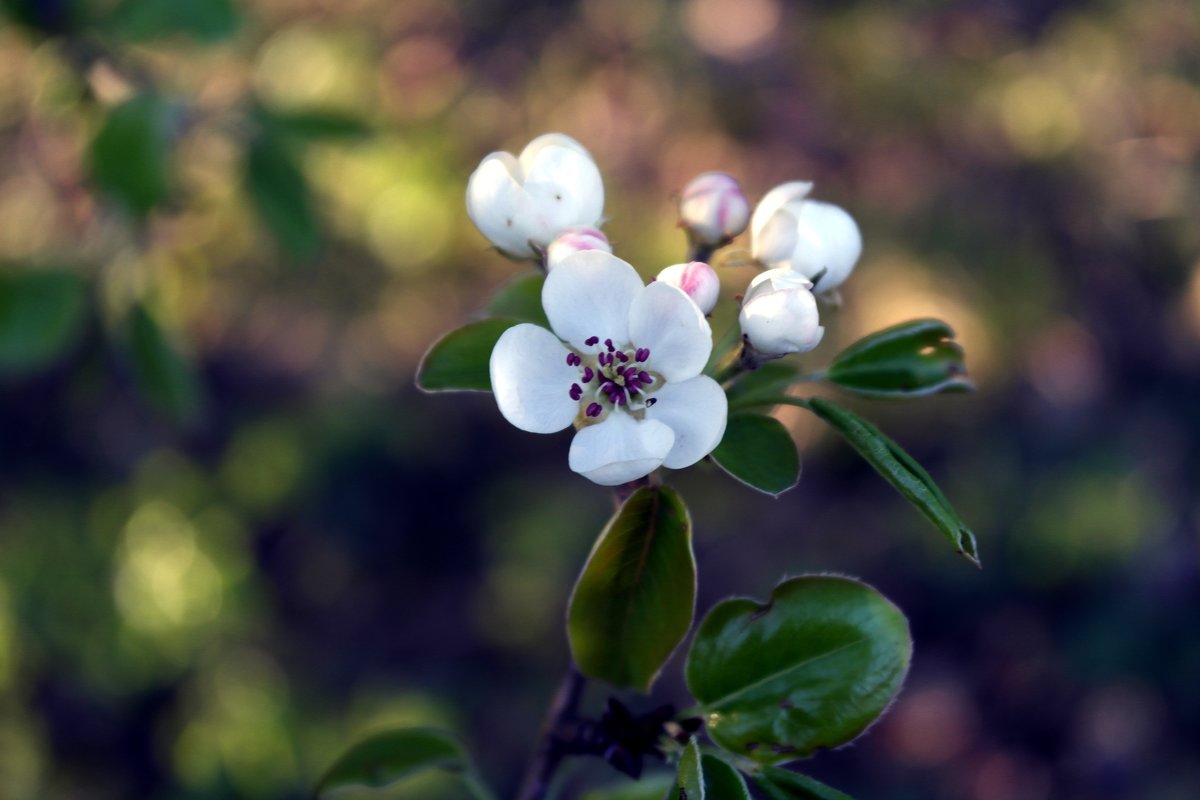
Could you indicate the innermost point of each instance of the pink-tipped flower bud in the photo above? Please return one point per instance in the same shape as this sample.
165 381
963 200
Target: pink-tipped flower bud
713 209
779 314
698 281
575 240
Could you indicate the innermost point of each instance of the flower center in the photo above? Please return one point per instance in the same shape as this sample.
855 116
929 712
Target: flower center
612 377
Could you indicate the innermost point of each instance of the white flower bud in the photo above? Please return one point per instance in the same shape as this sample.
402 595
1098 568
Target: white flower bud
575 240
779 313
713 209
818 240
524 202
698 281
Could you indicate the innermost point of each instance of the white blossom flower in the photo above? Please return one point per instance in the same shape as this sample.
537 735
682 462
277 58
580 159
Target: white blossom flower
697 280
623 365
574 240
818 240
521 203
713 209
779 313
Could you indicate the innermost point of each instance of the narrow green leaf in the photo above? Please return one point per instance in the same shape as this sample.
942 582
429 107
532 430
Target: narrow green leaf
164 376
759 452
277 187
812 668
782 784
391 756
320 124
900 470
459 360
202 20
521 299
129 158
648 787
721 780
634 601
769 379
689 778
41 315
912 359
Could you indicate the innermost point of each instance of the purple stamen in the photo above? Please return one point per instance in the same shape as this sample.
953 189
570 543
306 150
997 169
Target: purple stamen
576 391
621 356
591 340
620 370
594 410
642 354
645 378
651 401
573 360
620 398
608 343
588 374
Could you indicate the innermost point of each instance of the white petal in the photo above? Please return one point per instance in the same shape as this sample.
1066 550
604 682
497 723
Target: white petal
551 140
774 243
665 320
698 281
532 380
774 280
565 183
620 449
776 199
589 294
781 322
696 411
498 204
827 239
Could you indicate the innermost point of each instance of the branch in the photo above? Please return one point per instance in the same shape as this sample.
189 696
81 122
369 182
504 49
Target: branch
562 711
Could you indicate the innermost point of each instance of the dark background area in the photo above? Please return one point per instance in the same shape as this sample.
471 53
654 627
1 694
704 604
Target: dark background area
216 607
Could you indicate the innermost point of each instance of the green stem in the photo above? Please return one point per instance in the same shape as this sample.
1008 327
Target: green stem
778 400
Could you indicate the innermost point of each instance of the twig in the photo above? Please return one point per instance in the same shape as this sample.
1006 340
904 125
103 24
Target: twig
562 711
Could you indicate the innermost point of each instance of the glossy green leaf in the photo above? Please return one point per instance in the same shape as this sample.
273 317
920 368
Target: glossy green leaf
809 669
41 315
689 777
772 378
912 359
900 470
391 756
277 187
130 155
164 376
759 452
202 20
521 299
782 784
319 124
721 780
459 360
648 787
634 601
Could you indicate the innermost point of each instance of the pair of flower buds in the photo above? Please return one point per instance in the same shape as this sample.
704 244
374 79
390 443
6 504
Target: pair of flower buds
547 202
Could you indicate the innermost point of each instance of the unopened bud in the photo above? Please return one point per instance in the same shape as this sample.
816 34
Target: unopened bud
713 209
575 240
779 314
698 281
818 240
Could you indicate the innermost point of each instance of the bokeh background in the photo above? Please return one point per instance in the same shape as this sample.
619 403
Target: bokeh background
233 536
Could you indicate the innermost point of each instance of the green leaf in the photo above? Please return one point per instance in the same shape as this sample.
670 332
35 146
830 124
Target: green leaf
689 778
521 299
277 187
759 452
721 780
648 787
129 157
202 20
810 669
459 360
771 378
900 470
41 315
164 376
912 359
634 601
391 756
319 124
782 784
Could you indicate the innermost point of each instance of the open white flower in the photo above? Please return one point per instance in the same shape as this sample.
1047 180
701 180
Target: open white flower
819 240
779 314
623 365
523 202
